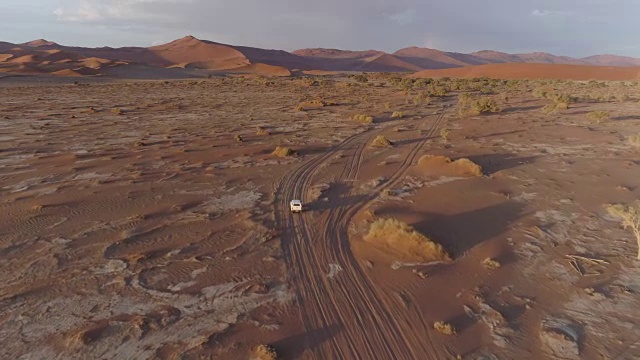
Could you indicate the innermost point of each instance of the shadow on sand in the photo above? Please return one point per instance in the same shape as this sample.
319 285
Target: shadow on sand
294 347
461 232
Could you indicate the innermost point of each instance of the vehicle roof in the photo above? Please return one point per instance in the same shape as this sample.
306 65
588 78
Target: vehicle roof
296 201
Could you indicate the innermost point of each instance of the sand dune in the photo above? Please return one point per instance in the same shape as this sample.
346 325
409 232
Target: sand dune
191 57
434 59
537 71
190 50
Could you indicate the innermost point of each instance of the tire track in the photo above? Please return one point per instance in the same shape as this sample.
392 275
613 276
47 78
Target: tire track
348 312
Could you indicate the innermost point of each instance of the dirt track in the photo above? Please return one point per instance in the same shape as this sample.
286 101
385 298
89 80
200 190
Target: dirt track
341 308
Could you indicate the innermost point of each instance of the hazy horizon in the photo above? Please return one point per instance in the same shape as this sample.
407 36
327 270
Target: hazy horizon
570 28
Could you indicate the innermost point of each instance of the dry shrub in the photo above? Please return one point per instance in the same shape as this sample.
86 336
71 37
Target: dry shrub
401 240
598 115
634 140
117 111
485 105
365 119
260 131
629 216
397 114
491 264
282 151
314 104
443 165
444 328
444 134
381 141
264 352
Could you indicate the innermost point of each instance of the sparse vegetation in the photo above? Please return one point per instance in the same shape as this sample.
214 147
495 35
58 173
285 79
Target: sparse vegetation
444 134
260 131
485 105
365 119
314 104
400 239
598 115
381 141
444 328
282 151
629 216
264 352
239 138
397 114
467 105
422 99
491 264
634 140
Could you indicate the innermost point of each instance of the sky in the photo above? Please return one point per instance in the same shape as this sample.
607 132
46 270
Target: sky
564 27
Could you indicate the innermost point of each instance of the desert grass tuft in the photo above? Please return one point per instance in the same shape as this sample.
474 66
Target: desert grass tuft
398 238
629 217
381 141
365 119
282 151
264 352
444 328
598 115
491 264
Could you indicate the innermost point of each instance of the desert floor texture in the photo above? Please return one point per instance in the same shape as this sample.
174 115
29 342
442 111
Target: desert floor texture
150 220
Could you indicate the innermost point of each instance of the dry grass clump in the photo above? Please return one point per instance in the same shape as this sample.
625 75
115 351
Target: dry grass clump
485 105
444 134
282 151
381 141
314 104
260 131
443 165
491 264
635 140
422 98
468 105
598 115
444 328
365 119
264 352
117 111
401 240
629 216
397 115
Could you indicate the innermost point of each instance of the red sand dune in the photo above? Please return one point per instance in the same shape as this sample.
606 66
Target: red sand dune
95 63
190 56
537 71
434 59
190 50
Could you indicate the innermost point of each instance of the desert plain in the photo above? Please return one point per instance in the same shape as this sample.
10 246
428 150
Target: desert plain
444 217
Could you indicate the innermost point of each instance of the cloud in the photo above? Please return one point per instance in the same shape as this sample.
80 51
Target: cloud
565 26
405 17
113 10
551 13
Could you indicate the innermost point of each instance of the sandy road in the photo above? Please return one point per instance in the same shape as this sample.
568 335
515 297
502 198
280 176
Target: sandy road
344 314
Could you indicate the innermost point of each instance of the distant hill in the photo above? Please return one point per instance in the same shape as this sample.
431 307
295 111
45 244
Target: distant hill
191 56
536 71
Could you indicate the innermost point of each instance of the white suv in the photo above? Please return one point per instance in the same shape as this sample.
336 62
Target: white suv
296 206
